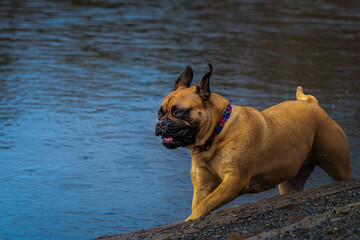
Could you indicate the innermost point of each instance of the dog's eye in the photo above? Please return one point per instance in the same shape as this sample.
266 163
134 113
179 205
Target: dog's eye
177 113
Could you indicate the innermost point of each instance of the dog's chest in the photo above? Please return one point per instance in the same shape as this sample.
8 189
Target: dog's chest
211 166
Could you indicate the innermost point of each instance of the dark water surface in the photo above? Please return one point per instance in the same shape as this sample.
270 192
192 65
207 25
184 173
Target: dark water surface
81 82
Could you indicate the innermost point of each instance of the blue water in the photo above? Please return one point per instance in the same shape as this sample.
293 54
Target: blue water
81 82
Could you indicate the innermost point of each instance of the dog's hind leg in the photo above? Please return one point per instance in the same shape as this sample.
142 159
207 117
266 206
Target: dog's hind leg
297 183
331 151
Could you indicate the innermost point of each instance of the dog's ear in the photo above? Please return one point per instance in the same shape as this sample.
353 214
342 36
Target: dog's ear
203 88
185 79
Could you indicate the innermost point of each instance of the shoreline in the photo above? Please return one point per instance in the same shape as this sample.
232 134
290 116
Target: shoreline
331 212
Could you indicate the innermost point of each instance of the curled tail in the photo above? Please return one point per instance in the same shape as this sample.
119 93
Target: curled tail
307 98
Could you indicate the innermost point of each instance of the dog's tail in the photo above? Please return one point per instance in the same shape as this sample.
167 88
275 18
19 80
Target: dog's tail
307 98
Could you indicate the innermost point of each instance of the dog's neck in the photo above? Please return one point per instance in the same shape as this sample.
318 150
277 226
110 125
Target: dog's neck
217 130
219 105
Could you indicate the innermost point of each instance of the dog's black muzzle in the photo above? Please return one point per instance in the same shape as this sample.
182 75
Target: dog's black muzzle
175 134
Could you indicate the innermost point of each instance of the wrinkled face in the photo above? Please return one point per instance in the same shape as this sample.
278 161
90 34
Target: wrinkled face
178 124
182 111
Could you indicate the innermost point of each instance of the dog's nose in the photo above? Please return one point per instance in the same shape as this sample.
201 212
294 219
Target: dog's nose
160 123
163 123
160 127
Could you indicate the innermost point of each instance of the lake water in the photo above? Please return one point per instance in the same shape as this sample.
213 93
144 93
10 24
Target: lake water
81 82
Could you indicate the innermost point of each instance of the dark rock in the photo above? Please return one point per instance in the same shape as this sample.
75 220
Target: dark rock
329 212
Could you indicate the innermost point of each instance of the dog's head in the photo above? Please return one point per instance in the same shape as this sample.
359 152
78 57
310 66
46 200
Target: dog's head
185 114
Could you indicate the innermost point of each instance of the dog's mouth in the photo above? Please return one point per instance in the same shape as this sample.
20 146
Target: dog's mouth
170 142
168 139
181 138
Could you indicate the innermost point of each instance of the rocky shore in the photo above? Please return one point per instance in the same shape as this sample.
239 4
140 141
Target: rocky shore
328 212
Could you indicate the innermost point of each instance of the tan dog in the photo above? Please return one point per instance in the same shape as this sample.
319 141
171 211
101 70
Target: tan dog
250 151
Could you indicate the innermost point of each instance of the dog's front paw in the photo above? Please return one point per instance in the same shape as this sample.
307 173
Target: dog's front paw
191 217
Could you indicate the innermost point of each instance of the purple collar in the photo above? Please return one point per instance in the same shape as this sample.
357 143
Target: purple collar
219 126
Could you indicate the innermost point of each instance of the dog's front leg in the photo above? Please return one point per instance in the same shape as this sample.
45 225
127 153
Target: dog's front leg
204 182
228 190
